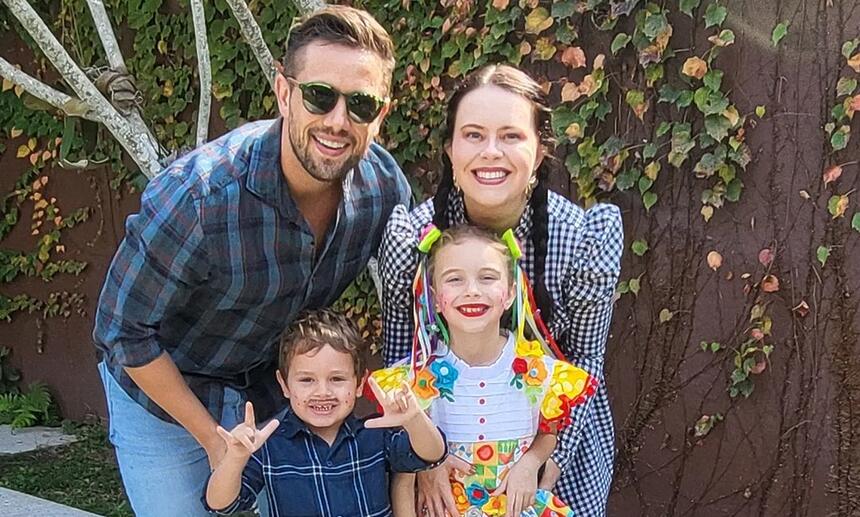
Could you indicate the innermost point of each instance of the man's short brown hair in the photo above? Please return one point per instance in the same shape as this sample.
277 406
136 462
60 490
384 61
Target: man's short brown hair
341 25
314 329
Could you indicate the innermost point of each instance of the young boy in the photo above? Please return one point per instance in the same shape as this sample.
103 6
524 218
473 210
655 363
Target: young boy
321 459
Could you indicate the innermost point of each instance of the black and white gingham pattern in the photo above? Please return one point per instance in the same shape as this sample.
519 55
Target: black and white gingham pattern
582 267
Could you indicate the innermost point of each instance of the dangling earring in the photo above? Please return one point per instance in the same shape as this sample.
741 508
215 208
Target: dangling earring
532 184
456 183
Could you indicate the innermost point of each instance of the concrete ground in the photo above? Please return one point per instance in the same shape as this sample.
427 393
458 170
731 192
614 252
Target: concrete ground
16 504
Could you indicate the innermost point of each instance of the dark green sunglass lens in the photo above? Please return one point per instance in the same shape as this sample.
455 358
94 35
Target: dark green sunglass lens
363 106
319 98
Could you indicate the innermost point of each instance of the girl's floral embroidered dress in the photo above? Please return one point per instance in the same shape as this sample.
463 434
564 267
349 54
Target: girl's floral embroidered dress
490 415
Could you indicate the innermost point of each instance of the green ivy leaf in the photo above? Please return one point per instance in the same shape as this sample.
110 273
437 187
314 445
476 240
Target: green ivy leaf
710 102
665 315
846 86
639 247
627 178
713 79
644 184
760 111
663 128
715 15
779 32
839 138
685 98
563 9
855 221
849 46
822 253
649 199
634 285
717 127
682 143
619 42
733 190
668 94
687 6
649 151
715 347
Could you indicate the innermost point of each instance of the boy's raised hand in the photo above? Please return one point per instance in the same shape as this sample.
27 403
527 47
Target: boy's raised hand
399 407
245 439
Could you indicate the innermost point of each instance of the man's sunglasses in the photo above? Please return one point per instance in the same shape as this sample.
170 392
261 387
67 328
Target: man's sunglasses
320 98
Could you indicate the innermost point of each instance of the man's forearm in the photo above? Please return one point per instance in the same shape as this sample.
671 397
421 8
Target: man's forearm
425 438
162 382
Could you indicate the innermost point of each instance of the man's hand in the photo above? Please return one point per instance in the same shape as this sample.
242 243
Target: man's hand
245 439
434 493
399 407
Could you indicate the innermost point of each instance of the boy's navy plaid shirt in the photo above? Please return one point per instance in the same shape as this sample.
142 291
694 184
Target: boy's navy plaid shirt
219 261
305 476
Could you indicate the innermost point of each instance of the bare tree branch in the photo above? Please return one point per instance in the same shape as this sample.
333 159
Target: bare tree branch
69 105
138 144
204 70
104 28
309 6
254 37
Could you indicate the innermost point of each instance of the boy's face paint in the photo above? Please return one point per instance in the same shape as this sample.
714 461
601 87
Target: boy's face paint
472 286
322 387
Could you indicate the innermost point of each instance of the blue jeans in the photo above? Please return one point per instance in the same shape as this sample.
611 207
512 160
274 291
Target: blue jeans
164 469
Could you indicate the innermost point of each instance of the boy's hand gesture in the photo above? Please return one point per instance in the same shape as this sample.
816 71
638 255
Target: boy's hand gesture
399 407
245 438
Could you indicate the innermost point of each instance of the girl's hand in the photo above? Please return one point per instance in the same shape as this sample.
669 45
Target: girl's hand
520 486
245 439
434 493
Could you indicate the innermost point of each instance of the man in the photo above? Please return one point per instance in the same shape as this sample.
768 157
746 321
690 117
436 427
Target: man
230 243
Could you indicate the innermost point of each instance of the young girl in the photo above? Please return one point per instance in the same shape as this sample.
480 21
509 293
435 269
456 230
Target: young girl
499 397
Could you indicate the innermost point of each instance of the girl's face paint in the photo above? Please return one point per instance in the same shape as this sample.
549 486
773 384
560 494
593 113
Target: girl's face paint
471 286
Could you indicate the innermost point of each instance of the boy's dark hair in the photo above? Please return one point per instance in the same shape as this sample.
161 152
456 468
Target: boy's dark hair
341 25
314 329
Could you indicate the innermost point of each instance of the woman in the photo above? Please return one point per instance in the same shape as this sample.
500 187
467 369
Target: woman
495 164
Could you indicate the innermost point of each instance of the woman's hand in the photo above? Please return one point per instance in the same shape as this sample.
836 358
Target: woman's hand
434 492
520 485
551 475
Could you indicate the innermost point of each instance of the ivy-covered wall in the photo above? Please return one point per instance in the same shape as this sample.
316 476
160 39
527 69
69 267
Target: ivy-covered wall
722 129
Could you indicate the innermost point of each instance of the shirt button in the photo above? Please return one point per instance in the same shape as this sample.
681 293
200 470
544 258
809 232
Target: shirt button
329 463
480 437
481 401
482 384
482 420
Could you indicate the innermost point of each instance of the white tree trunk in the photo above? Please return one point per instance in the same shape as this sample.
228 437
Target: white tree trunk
204 71
254 37
139 146
69 105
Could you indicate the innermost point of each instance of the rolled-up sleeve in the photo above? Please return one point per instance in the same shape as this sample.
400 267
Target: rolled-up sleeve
157 266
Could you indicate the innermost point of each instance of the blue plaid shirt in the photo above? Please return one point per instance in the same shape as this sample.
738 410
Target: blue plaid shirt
219 261
307 477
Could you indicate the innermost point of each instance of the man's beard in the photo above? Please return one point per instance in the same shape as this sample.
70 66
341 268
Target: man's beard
320 168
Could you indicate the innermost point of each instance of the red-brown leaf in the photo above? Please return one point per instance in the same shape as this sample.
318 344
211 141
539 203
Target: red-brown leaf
770 284
832 174
765 257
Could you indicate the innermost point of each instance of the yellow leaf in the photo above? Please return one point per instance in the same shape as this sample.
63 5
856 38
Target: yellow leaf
60 248
707 212
31 143
715 260
15 132
7 84
40 204
732 115
570 92
573 131
652 169
167 89
538 21
23 151
500 5
695 67
598 61
665 315
525 48
544 50
854 62
19 90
